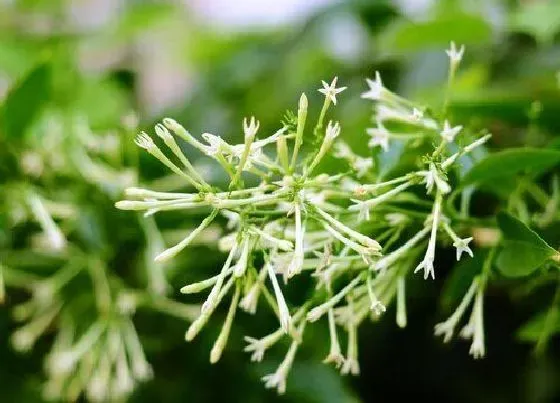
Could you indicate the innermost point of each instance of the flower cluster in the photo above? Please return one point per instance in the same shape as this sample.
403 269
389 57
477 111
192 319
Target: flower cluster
96 352
351 232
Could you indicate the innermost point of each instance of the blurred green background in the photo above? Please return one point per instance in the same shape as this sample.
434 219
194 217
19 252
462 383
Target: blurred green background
79 78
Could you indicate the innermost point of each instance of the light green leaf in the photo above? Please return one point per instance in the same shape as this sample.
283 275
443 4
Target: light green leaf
511 162
523 249
538 18
459 27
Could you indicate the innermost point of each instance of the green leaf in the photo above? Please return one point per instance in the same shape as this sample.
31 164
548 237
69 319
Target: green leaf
459 27
510 162
538 18
532 331
25 101
523 249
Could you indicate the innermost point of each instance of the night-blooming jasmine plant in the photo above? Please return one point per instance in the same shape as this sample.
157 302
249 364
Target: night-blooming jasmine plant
351 230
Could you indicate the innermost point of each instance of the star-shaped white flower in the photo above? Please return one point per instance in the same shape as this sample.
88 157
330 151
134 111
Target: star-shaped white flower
462 245
379 137
455 55
448 133
375 88
330 90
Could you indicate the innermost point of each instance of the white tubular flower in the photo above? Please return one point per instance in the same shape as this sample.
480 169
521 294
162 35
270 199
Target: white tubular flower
335 355
332 132
477 349
242 263
250 129
54 235
401 302
215 144
251 299
144 141
462 245
433 177
351 364
449 133
222 339
330 90
455 55
379 137
283 311
362 166
257 347
375 305
375 88
363 211
448 327
428 263
296 263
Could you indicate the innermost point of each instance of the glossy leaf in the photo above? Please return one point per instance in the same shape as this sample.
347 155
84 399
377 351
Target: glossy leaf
523 249
511 162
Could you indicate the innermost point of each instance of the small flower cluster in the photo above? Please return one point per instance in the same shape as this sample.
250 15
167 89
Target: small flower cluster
96 353
297 221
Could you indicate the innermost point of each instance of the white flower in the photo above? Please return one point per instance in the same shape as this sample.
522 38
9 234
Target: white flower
330 90
432 177
375 88
362 165
251 299
276 380
455 55
342 150
462 245
428 266
448 133
283 311
335 355
477 349
144 141
446 329
378 308
379 137
417 114
257 347
332 132
351 365
216 144
363 210
250 129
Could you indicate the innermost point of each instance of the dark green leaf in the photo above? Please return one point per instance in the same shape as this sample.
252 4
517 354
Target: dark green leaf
508 163
523 249
25 101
